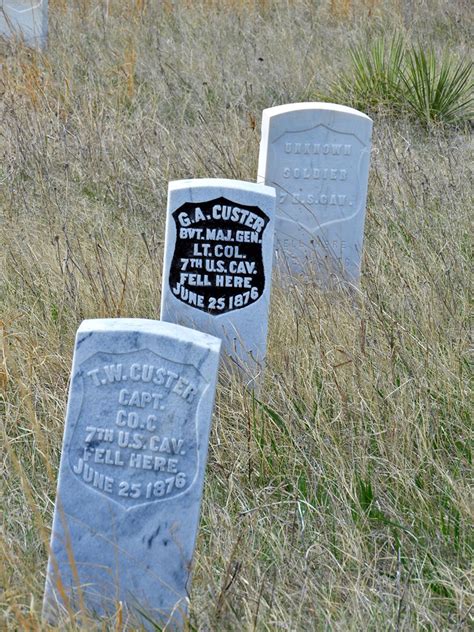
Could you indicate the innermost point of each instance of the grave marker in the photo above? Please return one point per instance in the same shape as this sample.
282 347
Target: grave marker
27 19
132 468
218 263
316 155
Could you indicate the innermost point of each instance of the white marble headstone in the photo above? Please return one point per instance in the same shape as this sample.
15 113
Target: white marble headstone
316 155
218 264
132 468
27 19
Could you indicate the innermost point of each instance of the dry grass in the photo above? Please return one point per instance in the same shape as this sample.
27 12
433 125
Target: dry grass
340 499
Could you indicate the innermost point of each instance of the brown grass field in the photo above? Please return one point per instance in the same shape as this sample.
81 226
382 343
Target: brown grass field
341 499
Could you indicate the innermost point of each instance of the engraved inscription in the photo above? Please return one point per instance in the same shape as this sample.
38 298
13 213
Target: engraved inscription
317 149
217 265
135 439
317 176
319 248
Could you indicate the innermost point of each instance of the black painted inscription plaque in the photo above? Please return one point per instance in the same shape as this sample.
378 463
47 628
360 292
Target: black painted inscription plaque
217 265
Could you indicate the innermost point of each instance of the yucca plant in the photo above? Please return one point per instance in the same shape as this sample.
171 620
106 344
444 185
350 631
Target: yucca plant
375 81
438 92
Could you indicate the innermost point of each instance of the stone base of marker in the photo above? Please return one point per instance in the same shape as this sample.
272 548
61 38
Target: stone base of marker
25 19
218 265
132 470
316 155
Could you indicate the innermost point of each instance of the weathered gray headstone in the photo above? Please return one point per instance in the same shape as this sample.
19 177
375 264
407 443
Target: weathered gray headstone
218 263
132 469
27 19
316 155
